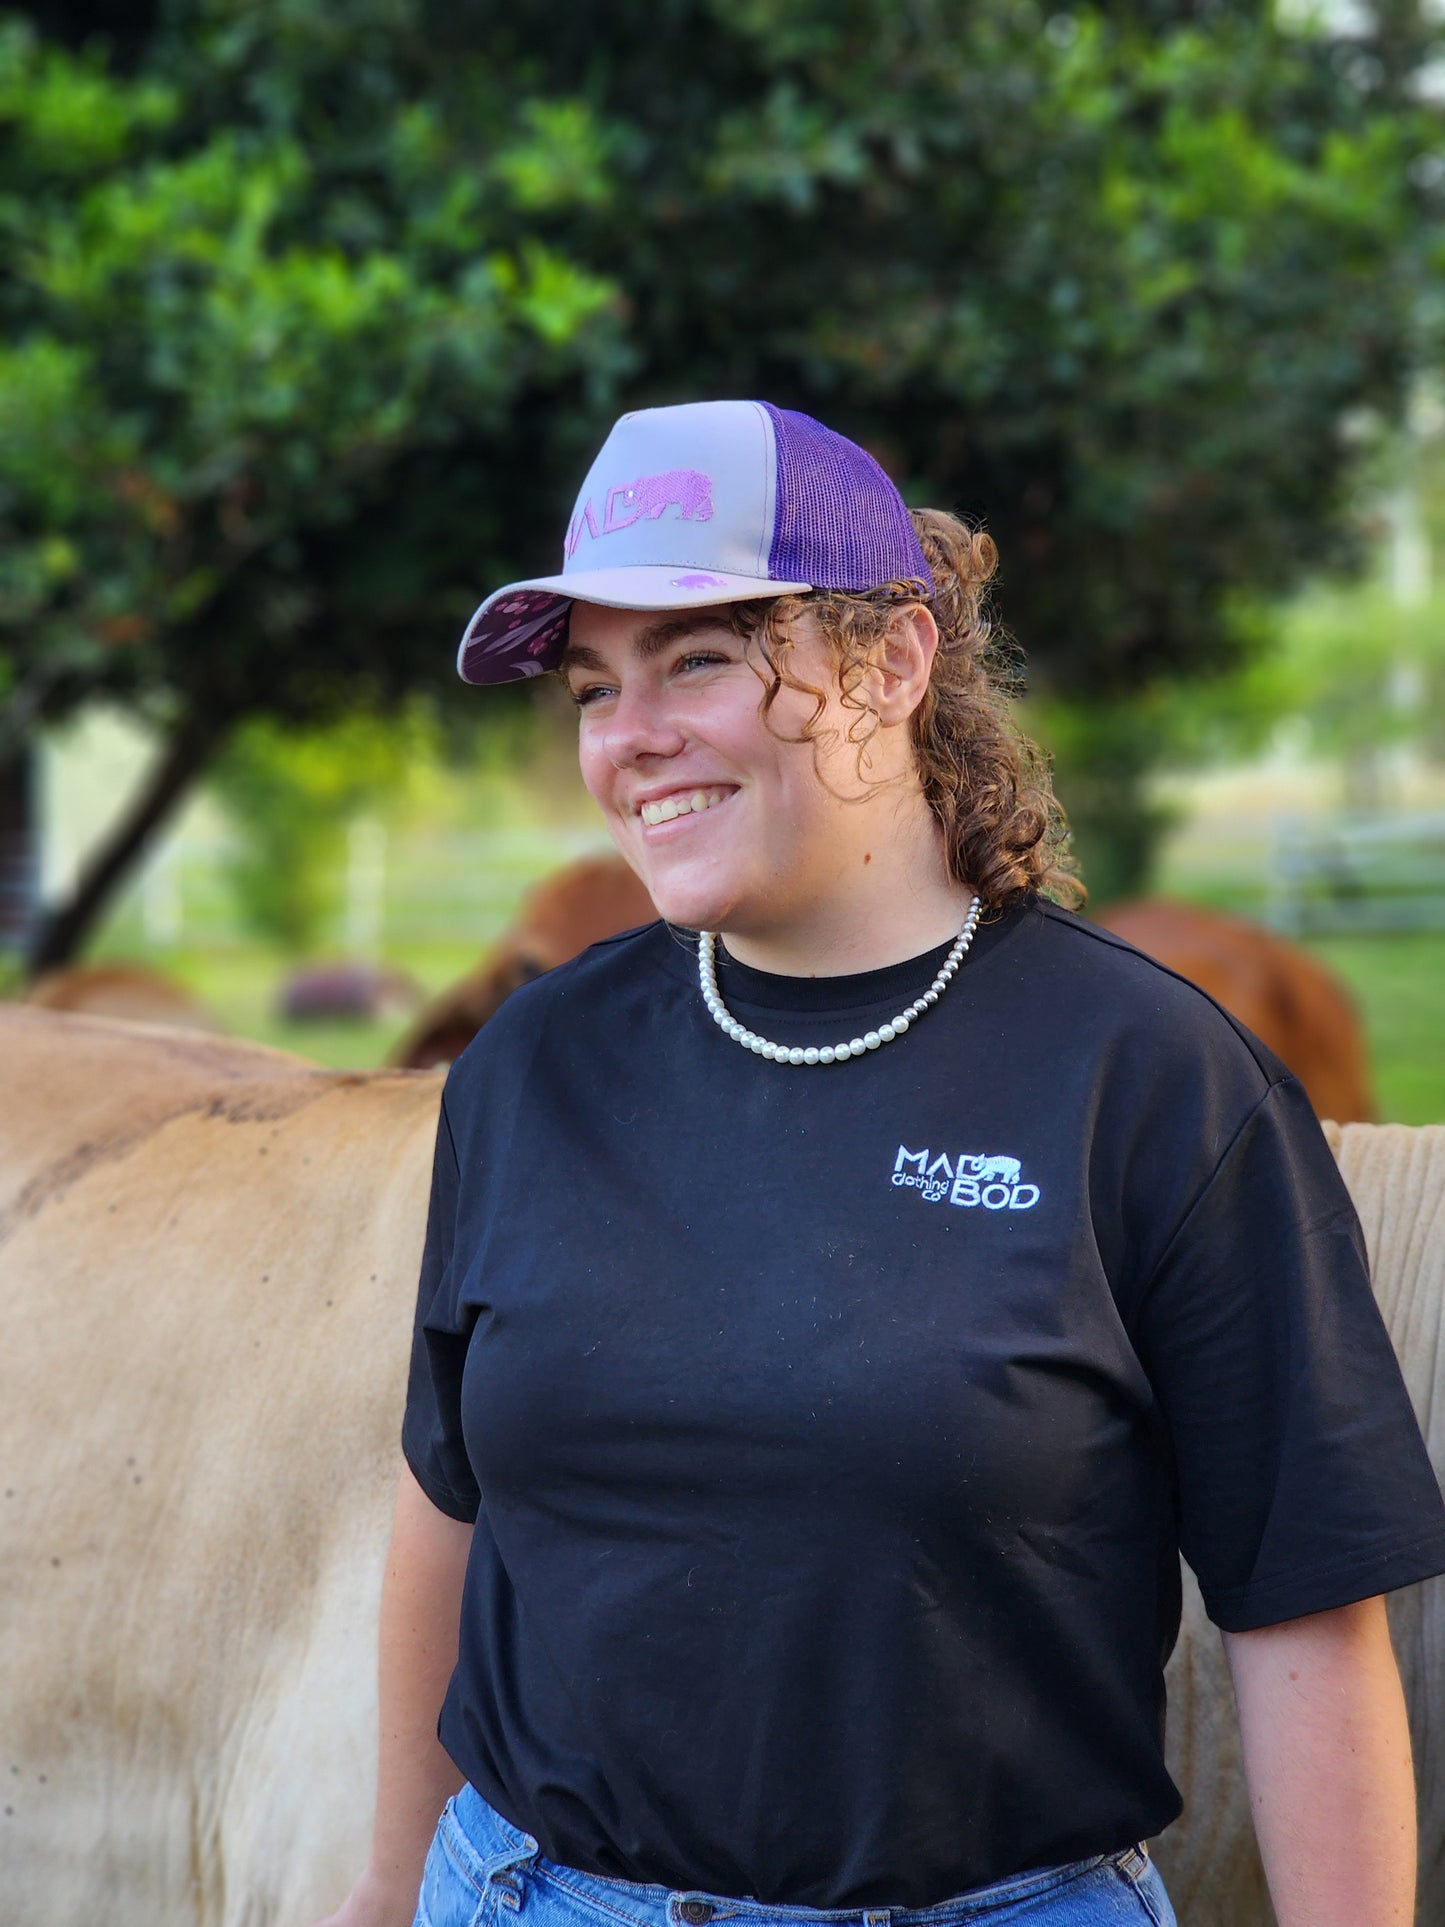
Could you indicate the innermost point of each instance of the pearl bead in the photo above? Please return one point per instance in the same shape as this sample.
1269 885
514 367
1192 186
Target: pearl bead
829 1053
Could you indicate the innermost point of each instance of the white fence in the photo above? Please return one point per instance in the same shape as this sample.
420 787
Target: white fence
1357 873
397 889
1321 875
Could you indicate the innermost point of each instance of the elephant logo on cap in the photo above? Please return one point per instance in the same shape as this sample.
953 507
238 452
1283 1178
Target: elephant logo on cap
686 489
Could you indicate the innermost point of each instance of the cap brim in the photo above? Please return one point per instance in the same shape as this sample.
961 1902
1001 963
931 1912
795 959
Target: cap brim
520 630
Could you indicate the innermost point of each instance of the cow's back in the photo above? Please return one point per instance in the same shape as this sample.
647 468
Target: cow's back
134 993
208 1255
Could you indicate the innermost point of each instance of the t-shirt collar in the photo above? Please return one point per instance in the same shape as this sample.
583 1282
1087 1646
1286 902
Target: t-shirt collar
896 983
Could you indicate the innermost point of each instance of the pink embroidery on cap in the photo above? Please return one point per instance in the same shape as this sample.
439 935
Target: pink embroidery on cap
697 582
686 489
574 532
653 495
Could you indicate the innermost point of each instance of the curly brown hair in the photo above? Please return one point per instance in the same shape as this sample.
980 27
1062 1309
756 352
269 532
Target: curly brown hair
987 783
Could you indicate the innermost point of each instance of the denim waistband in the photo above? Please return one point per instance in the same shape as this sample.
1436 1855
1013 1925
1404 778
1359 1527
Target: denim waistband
496 1852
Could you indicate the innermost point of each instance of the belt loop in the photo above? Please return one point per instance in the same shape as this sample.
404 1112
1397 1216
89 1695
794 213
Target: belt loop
1133 1861
504 1873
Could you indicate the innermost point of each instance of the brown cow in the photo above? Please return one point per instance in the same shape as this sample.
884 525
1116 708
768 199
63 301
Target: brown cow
133 992
1288 999
208 1258
595 897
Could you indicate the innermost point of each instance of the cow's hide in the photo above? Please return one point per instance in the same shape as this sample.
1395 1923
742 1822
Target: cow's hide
1288 998
135 993
581 903
208 1256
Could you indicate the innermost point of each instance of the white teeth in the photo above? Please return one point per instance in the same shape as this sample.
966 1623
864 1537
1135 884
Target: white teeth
682 805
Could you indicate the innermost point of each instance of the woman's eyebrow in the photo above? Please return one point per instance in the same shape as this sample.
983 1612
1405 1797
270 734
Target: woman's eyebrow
657 635
577 656
649 641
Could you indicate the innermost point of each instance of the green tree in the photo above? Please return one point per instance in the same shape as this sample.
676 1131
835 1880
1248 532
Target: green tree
1114 279
268 368
317 312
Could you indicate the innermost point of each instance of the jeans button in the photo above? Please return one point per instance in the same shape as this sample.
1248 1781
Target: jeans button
695 1912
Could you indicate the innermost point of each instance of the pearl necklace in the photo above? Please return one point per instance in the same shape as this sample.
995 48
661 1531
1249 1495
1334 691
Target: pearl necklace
830 1053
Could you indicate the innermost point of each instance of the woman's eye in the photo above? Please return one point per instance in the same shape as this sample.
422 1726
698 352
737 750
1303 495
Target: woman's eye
700 658
589 694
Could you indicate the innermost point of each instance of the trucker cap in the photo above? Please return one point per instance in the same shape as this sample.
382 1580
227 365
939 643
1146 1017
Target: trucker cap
712 501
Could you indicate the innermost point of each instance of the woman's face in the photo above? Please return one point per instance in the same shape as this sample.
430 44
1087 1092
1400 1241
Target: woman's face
729 825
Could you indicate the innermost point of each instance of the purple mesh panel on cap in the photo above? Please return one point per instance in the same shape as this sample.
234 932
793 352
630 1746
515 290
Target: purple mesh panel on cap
838 522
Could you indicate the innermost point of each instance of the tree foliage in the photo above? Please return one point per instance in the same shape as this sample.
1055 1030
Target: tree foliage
291 795
236 330
314 313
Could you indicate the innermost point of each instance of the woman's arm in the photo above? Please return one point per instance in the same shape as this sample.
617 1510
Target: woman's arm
420 1613
1327 1760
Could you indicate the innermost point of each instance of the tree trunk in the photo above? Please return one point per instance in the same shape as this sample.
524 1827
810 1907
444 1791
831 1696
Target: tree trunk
17 849
64 931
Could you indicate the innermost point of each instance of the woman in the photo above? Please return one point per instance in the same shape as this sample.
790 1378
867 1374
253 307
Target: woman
836 1325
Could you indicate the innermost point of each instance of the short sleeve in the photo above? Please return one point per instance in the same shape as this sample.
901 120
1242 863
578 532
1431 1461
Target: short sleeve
431 1433
1302 1480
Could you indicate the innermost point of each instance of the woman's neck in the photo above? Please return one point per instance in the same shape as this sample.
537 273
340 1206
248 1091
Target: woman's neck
895 900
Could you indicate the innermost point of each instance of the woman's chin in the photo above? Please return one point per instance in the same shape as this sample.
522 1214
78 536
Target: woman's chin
688 907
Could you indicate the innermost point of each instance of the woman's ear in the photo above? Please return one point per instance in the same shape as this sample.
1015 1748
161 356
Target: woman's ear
904 663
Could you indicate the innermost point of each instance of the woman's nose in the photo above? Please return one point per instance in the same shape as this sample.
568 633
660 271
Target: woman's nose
639 727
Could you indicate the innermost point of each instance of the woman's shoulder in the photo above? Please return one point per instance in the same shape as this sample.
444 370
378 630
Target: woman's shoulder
1124 994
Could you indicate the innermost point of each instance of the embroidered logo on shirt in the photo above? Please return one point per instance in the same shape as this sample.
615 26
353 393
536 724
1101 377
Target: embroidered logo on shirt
968 1179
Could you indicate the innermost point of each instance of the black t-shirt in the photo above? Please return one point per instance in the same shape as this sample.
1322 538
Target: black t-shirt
832 1433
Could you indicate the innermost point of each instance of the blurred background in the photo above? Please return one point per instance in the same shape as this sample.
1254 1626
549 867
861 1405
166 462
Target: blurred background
314 315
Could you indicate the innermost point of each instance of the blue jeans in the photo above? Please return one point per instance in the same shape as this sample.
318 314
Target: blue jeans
481 1871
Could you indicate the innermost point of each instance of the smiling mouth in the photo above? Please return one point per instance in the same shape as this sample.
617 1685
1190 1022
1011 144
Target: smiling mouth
685 803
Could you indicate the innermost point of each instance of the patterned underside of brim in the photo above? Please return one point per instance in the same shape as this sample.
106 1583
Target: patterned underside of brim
520 635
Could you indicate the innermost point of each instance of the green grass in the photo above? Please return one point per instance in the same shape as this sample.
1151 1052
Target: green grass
1398 978
1399 984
